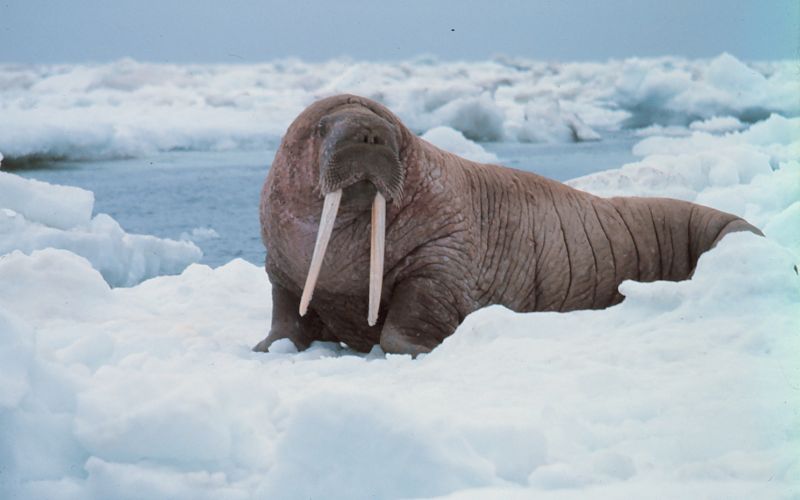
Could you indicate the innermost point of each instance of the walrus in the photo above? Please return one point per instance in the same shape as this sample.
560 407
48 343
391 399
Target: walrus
375 236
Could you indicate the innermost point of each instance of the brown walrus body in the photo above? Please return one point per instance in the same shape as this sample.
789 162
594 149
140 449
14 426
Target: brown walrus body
459 235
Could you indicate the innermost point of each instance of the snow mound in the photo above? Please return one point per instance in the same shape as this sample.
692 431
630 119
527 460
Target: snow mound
128 108
717 124
676 93
546 121
36 215
680 384
454 141
478 118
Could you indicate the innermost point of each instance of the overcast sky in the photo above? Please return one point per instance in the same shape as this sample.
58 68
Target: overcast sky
249 30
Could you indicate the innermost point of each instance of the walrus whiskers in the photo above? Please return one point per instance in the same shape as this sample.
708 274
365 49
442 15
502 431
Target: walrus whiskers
377 241
329 208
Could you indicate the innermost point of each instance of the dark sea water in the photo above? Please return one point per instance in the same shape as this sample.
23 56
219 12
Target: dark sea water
173 193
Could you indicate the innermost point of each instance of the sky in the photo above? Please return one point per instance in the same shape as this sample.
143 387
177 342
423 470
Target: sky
183 31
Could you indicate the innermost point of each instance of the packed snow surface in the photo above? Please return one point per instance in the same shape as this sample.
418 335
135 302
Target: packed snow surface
129 108
684 390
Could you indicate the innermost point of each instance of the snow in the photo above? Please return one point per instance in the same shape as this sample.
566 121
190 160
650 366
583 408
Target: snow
718 124
152 391
128 108
60 207
35 215
684 390
454 141
546 121
200 234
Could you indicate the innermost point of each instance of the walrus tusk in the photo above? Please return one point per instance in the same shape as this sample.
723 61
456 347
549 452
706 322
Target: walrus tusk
377 242
329 208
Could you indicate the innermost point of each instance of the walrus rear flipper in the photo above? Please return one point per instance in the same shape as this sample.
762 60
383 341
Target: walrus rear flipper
669 236
710 227
707 227
736 226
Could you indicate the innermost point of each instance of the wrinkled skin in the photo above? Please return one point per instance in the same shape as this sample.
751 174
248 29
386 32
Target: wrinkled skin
459 235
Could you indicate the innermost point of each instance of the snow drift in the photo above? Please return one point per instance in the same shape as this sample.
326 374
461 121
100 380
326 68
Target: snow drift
682 384
128 108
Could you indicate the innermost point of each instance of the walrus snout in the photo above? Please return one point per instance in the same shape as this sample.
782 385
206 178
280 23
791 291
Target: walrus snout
358 146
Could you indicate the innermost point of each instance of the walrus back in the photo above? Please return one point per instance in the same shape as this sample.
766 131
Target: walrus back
549 247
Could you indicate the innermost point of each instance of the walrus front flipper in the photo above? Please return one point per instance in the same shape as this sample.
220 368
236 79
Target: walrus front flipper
287 323
421 314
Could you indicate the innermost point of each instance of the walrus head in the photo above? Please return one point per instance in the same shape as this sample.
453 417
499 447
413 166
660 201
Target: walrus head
360 155
359 161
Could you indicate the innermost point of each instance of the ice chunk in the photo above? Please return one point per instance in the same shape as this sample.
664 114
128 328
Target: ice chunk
36 215
752 173
729 73
718 124
128 108
200 234
60 207
546 121
478 118
454 141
